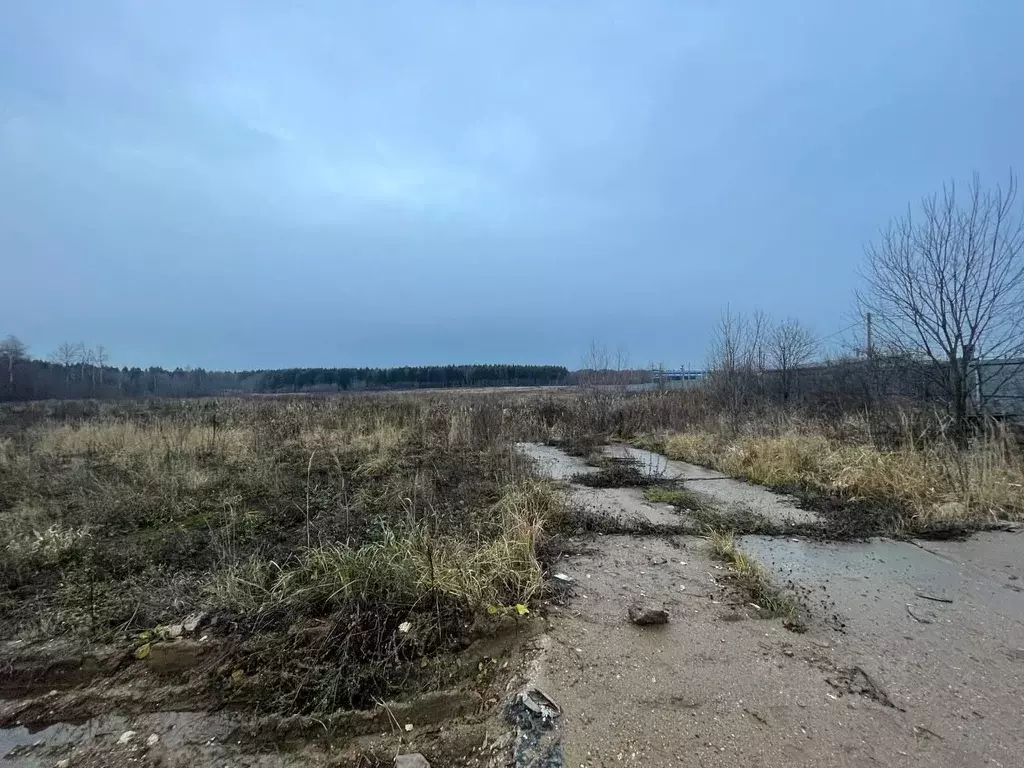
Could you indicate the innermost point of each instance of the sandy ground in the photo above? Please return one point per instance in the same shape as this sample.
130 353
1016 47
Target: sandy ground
867 684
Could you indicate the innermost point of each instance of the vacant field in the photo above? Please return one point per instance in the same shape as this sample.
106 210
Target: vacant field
341 549
338 545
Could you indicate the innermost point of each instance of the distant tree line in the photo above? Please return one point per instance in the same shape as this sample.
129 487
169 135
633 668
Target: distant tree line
311 379
77 371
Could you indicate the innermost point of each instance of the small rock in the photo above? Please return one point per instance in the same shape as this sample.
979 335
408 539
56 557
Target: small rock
152 740
644 614
126 738
414 760
192 621
65 763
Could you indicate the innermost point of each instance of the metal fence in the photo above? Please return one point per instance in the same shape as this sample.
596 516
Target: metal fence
1000 387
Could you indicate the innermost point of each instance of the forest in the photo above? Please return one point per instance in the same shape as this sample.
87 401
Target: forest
75 371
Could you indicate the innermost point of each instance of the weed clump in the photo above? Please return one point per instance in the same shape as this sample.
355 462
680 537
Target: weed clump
750 577
677 497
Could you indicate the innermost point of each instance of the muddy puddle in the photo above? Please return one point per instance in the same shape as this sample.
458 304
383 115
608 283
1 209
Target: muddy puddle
116 736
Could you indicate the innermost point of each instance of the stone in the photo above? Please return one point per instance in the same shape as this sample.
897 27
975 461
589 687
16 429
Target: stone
193 621
152 740
175 657
126 738
645 614
413 760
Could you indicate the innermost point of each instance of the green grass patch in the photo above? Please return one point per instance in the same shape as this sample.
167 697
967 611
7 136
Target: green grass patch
677 497
751 578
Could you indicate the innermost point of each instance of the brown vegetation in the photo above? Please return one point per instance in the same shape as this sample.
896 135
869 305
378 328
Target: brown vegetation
334 543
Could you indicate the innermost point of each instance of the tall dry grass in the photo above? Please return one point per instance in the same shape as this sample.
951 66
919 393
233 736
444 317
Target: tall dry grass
937 482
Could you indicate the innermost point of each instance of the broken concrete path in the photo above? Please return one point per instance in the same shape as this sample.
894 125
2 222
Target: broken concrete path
715 687
627 503
727 494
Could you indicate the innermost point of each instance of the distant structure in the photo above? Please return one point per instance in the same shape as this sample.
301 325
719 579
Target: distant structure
662 378
1000 388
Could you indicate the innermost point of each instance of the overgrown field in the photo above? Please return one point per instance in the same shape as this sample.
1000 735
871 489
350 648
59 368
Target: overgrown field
338 544
342 548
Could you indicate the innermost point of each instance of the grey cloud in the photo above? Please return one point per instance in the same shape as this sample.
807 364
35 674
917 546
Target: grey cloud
260 184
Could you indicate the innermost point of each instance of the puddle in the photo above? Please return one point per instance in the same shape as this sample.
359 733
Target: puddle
174 731
18 738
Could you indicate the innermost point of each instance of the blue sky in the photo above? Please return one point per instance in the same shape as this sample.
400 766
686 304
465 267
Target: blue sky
262 184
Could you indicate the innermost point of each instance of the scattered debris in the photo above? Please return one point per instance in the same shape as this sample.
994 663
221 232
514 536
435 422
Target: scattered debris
928 733
537 740
916 617
539 703
186 626
644 614
923 596
858 680
412 760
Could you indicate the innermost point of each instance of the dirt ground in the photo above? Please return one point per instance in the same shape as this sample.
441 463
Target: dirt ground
883 675
913 656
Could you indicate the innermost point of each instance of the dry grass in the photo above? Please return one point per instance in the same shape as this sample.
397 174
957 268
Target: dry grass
288 515
936 482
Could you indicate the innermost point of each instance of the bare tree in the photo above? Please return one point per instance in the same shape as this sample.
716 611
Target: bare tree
12 348
100 357
68 355
736 350
789 346
595 365
945 284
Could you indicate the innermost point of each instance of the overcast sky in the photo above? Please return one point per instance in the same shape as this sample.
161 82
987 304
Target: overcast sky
263 184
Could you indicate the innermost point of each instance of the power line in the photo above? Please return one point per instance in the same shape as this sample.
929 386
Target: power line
837 333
